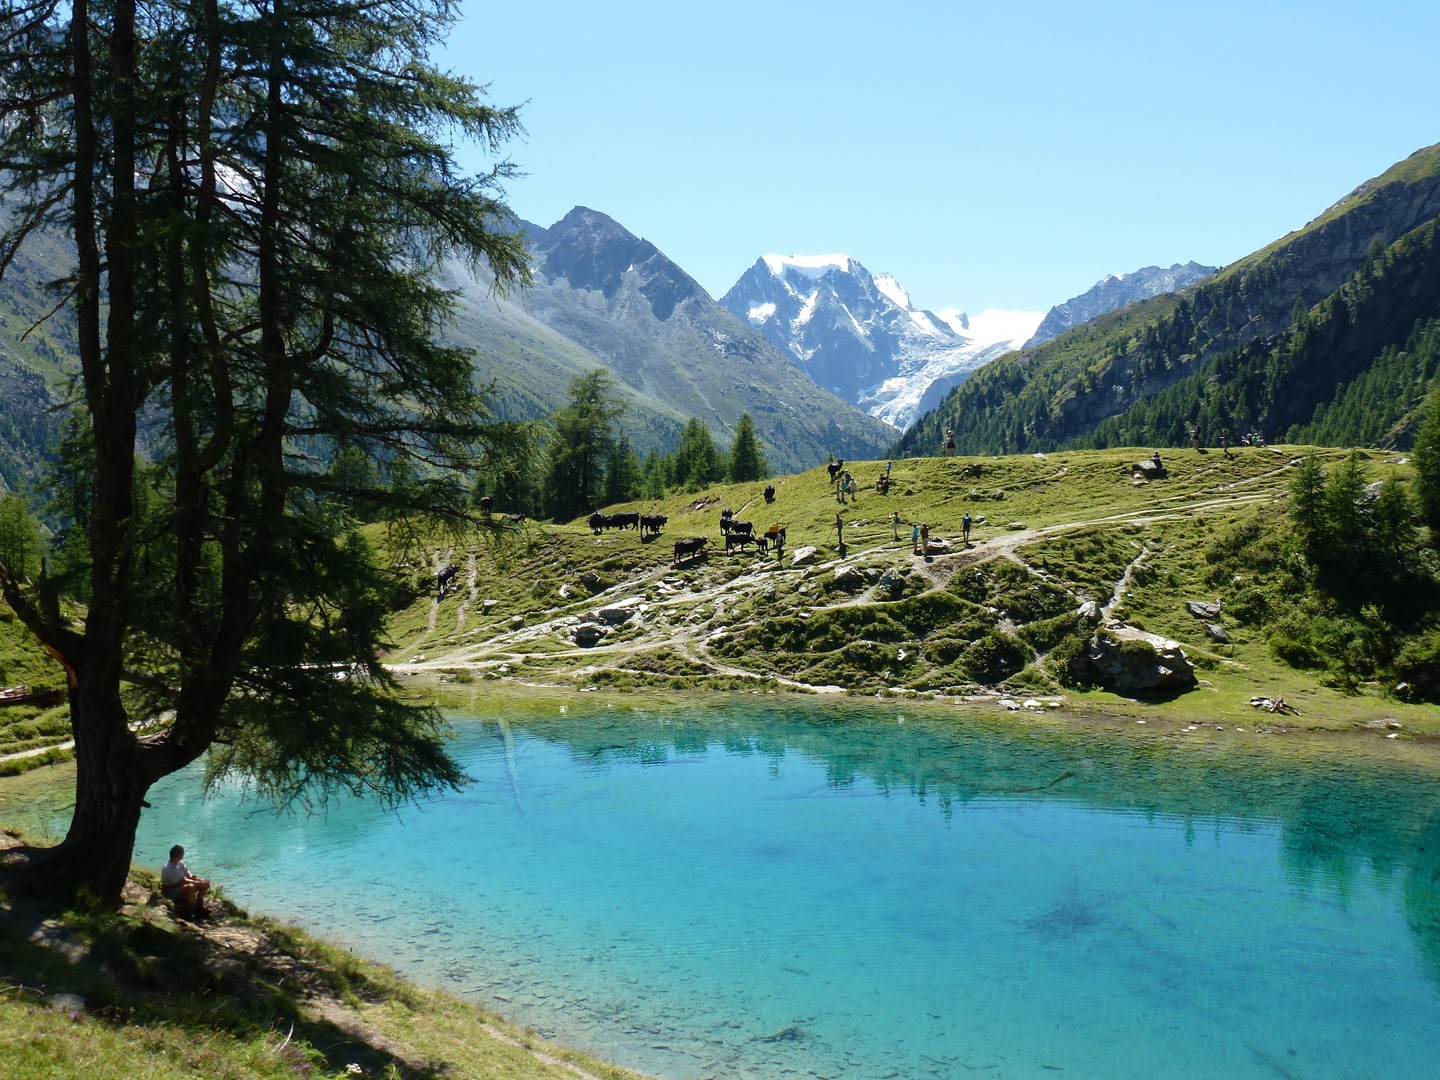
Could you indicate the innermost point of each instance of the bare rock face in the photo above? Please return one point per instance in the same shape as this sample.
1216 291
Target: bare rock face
892 583
1131 661
848 577
1203 611
1217 633
1089 612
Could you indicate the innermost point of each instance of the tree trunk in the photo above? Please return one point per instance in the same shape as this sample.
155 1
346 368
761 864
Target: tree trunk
110 786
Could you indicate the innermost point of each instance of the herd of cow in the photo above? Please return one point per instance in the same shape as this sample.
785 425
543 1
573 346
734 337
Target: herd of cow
650 524
737 533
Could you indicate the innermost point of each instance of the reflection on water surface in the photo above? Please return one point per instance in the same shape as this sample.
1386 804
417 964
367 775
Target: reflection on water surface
746 890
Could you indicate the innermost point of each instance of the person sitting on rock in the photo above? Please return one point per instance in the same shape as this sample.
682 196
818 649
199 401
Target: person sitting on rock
181 887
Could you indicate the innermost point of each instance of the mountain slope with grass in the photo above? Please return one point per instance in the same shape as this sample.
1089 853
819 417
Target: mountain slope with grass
1063 391
1066 548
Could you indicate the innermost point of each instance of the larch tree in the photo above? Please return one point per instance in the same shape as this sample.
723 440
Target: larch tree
747 460
580 443
260 196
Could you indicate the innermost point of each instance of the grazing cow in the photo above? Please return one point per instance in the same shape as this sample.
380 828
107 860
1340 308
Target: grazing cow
652 524
769 493
738 539
599 522
741 528
689 548
835 468
446 578
625 520
485 503
515 518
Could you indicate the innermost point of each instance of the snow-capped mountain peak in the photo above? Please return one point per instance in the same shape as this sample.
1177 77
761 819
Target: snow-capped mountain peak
862 337
812 266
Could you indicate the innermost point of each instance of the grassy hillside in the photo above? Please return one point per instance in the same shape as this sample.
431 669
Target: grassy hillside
1058 393
140 996
1052 532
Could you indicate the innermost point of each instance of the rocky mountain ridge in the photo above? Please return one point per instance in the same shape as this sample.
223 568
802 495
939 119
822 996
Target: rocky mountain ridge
859 335
1115 291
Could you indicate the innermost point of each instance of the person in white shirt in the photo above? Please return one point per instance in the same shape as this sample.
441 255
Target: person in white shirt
181 887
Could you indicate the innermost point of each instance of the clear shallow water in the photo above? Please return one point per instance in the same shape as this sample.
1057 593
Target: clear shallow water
746 891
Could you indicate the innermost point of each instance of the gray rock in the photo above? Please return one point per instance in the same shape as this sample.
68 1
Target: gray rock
1015 526
872 575
1129 660
847 577
769 592
1089 612
590 580
939 546
803 556
1202 610
1217 633
589 633
517 620
488 604
892 583
620 612
1148 470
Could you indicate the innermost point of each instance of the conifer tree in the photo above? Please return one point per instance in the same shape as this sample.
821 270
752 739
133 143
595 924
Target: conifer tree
260 196
580 446
697 462
747 460
622 472
1427 465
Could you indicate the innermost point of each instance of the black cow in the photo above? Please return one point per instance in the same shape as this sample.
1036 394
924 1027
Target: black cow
446 577
652 524
741 528
599 522
625 520
769 493
485 503
738 539
689 548
516 519
835 468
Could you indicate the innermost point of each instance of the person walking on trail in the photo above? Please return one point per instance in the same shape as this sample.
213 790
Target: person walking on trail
1225 441
840 534
181 887
850 483
949 441
895 525
840 489
888 466
925 539
1195 437
915 536
965 528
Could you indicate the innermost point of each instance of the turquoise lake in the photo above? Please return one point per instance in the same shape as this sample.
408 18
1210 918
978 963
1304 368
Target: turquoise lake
778 889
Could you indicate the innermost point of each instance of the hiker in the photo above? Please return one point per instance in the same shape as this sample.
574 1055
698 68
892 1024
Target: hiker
949 441
915 536
925 539
850 483
1225 441
840 534
1195 437
840 489
888 466
965 528
895 524
181 887
1155 457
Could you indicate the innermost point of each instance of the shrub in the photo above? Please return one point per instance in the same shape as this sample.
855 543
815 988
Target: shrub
994 658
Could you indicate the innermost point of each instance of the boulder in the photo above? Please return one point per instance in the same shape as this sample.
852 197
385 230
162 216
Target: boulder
872 575
488 604
517 620
591 580
847 577
1089 612
803 556
892 583
620 612
1015 526
1148 470
1217 633
1202 610
939 546
589 633
1129 660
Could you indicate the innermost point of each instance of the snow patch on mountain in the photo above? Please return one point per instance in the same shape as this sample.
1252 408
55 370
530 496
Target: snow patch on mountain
863 338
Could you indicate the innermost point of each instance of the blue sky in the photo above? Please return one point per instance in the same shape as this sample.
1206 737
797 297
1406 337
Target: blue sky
1003 154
